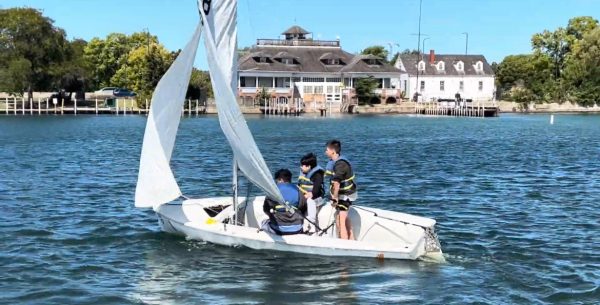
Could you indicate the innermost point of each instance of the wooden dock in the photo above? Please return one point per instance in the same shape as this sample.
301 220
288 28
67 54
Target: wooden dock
464 109
14 106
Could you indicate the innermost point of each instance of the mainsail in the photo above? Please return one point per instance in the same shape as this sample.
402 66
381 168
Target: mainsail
220 21
156 184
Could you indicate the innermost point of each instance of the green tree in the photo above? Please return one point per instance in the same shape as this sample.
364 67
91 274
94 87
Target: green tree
582 71
394 59
143 69
105 57
30 44
200 86
365 89
530 71
378 51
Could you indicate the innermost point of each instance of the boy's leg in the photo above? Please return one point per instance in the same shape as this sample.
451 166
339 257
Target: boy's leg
341 223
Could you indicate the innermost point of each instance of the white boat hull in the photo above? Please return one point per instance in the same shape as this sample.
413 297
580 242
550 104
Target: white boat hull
386 235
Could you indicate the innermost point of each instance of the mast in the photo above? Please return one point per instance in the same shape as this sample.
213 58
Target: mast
235 191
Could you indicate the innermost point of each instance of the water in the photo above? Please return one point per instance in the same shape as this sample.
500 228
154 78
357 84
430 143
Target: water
516 200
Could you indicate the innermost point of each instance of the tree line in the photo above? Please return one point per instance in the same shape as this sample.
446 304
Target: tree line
564 66
35 55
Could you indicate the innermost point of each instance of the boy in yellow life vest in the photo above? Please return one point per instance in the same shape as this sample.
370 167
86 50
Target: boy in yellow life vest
310 183
343 188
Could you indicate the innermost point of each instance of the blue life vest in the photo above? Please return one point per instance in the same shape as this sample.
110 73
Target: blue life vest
304 181
290 194
288 220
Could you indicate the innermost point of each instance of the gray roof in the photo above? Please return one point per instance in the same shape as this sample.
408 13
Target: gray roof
295 30
409 61
310 59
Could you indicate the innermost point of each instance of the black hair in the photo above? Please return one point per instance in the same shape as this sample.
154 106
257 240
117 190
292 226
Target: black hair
309 159
335 145
283 174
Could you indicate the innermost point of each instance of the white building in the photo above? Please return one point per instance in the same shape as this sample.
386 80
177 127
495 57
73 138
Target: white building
319 72
443 76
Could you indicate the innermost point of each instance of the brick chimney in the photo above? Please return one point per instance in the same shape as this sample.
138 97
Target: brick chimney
431 57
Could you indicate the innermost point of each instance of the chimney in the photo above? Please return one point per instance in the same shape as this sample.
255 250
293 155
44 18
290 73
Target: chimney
431 57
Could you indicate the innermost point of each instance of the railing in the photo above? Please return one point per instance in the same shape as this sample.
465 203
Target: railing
298 42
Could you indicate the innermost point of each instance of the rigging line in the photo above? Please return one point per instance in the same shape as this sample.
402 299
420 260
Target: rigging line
383 217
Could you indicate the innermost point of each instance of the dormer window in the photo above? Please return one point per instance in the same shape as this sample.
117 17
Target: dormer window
479 66
372 62
421 66
333 61
288 61
460 66
263 60
441 66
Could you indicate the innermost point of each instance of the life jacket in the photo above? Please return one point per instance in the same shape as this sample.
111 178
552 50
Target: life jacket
288 219
347 185
305 183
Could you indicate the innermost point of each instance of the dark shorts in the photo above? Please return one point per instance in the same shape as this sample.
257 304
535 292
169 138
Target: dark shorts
343 205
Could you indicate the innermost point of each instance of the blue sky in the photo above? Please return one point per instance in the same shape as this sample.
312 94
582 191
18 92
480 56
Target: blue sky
496 28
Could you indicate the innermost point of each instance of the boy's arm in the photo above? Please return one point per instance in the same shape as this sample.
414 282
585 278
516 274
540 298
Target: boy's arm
317 185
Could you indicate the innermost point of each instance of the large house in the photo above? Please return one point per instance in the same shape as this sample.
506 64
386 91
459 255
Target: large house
318 72
436 76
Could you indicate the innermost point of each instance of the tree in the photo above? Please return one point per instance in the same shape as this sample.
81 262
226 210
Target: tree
582 71
106 56
200 86
394 59
365 88
411 52
30 44
143 69
533 72
378 51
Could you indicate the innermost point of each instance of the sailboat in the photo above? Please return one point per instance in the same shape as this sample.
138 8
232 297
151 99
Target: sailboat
235 220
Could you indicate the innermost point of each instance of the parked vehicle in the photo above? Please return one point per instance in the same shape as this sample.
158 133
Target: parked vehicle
122 92
106 92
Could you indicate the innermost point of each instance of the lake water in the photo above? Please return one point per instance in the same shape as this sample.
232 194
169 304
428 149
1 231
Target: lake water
517 202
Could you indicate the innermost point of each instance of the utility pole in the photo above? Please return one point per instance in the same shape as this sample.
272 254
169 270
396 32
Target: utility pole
418 46
466 43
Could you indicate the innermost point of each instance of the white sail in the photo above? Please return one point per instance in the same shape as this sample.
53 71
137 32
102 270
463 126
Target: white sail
156 184
220 20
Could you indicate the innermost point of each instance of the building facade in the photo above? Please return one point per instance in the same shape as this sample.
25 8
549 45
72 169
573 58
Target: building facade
318 72
436 77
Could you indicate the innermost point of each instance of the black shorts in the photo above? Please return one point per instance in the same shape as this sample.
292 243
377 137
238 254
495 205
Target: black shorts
343 205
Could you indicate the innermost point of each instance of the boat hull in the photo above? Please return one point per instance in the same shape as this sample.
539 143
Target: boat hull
379 233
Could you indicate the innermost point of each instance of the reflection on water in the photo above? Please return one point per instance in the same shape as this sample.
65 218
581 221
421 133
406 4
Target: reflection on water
515 198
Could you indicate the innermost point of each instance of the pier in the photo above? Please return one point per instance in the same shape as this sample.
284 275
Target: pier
459 109
47 106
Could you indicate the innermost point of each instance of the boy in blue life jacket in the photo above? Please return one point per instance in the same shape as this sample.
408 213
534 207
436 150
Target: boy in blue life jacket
285 219
310 184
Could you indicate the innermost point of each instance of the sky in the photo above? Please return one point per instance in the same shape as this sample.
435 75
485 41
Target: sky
496 28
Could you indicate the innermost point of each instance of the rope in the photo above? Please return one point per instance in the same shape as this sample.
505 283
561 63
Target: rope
387 218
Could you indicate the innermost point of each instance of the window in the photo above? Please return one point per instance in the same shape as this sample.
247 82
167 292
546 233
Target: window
387 83
332 61
314 79
318 89
338 89
296 79
262 60
421 66
247 81
479 66
329 89
461 86
441 66
308 89
372 62
460 66
405 84
442 85
282 82
287 61
266 82
347 82
480 86
422 85
333 80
